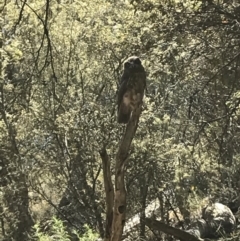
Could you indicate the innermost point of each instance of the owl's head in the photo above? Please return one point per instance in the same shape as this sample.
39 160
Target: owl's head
133 63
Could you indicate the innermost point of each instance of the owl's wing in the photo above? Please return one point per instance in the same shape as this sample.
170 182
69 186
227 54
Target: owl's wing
122 90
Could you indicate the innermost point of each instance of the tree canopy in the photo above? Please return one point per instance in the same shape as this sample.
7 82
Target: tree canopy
60 65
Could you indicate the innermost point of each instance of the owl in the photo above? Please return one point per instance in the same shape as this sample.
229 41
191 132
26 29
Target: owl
131 88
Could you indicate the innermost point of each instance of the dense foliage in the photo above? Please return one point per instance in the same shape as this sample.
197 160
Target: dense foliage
60 65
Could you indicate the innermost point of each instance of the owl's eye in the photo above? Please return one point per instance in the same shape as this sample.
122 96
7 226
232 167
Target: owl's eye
137 61
127 65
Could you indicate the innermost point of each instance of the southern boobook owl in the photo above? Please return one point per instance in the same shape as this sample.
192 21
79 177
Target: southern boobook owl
131 90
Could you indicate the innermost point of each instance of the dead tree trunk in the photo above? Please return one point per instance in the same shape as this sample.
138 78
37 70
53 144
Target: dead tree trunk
116 201
109 191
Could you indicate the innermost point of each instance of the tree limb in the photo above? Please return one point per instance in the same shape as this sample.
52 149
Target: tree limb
178 233
119 210
108 185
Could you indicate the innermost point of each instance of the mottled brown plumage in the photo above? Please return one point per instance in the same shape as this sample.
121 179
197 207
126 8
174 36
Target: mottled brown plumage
131 90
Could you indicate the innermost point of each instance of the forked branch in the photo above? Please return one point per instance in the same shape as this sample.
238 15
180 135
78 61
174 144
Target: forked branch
116 202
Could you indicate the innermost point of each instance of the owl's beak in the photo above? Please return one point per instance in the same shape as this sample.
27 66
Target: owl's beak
135 66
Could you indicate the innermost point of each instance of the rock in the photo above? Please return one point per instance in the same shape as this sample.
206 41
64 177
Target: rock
219 218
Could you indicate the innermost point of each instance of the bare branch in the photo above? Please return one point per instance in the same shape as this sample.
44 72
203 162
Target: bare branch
119 212
108 185
20 16
178 233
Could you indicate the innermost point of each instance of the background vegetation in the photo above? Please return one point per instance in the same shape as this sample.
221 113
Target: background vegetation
60 64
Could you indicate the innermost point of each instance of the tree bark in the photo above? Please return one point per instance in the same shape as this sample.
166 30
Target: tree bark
109 190
116 202
119 210
15 193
